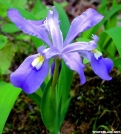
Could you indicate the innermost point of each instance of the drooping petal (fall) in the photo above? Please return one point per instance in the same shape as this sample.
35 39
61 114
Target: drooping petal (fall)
101 66
55 32
74 62
29 78
86 20
31 27
108 63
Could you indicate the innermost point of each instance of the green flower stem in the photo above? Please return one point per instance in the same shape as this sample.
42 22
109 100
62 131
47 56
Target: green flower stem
55 75
54 82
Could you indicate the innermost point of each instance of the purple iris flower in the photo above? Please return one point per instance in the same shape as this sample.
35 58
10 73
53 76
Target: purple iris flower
34 69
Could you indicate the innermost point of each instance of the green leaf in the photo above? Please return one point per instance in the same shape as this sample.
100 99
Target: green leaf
13 3
109 41
64 111
39 10
37 42
19 3
112 21
85 61
8 96
114 2
106 44
58 107
63 90
94 125
103 6
64 82
104 127
6 4
3 10
47 108
3 41
64 21
6 56
23 37
9 28
115 33
117 63
24 13
82 39
107 16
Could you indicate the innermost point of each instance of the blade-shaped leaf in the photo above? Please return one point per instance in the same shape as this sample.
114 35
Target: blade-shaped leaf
117 63
8 96
19 3
39 10
64 110
47 108
64 83
103 6
107 45
115 34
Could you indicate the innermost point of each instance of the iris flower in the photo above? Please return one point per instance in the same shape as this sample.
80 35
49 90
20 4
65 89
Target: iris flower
34 69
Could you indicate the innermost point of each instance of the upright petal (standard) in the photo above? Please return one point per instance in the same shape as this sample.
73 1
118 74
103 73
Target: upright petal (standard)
31 27
86 20
55 32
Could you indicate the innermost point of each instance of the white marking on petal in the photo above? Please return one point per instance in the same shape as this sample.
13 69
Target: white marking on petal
38 62
97 53
51 12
